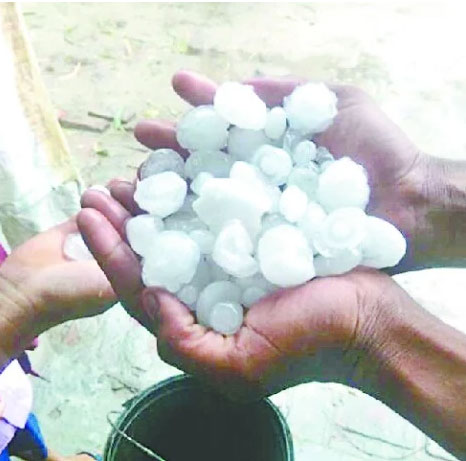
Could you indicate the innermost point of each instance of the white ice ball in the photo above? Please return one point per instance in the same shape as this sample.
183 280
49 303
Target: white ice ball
310 108
311 220
307 179
215 162
343 229
304 153
240 105
342 262
172 262
233 250
384 245
204 238
285 257
293 203
74 248
202 128
141 230
199 181
224 199
226 318
343 184
161 160
161 194
215 292
274 163
243 143
275 124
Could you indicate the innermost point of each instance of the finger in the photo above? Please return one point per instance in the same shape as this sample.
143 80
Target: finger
123 192
194 88
273 90
158 134
117 260
112 210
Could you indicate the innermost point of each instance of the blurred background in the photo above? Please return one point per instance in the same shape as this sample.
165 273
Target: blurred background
107 65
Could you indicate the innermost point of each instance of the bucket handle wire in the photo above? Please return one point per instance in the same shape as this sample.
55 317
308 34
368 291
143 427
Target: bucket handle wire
144 449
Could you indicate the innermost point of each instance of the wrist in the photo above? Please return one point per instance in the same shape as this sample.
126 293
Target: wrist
440 236
19 321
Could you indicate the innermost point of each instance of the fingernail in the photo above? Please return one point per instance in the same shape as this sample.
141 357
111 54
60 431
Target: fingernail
151 305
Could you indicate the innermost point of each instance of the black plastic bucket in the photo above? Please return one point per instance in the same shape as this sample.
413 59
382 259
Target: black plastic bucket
180 420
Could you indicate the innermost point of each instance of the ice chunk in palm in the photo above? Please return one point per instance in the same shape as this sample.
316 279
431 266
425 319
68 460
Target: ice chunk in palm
293 203
251 295
233 249
285 257
188 295
243 143
240 105
141 230
343 229
216 292
384 245
199 181
172 262
75 249
274 163
307 179
311 220
275 124
161 194
162 160
215 162
310 108
204 238
202 128
224 199
304 153
226 318
342 262
343 184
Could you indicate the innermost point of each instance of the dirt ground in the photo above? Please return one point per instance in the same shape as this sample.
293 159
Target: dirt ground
118 59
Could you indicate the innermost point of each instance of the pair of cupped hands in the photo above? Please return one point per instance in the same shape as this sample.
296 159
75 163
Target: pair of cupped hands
314 332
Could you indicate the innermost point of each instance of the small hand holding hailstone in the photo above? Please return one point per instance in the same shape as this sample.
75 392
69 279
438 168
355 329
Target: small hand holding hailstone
265 207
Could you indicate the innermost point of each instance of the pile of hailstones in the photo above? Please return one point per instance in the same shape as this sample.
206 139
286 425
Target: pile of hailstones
255 207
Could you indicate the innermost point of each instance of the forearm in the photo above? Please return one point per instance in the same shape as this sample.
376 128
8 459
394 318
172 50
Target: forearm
441 239
418 368
18 324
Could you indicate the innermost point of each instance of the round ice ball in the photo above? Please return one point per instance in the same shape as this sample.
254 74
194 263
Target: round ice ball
274 163
161 194
232 250
342 262
285 257
384 245
343 184
240 105
202 128
226 317
215 292
311 220
74 248
304 153
199 181
293 203
140 232
172 261
275 124
343 229
161 160
214 162
310 108
243 143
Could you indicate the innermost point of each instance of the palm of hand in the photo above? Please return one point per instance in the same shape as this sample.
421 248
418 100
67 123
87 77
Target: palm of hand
57 288
280 333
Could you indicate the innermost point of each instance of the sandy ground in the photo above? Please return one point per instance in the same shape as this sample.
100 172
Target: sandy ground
119 58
